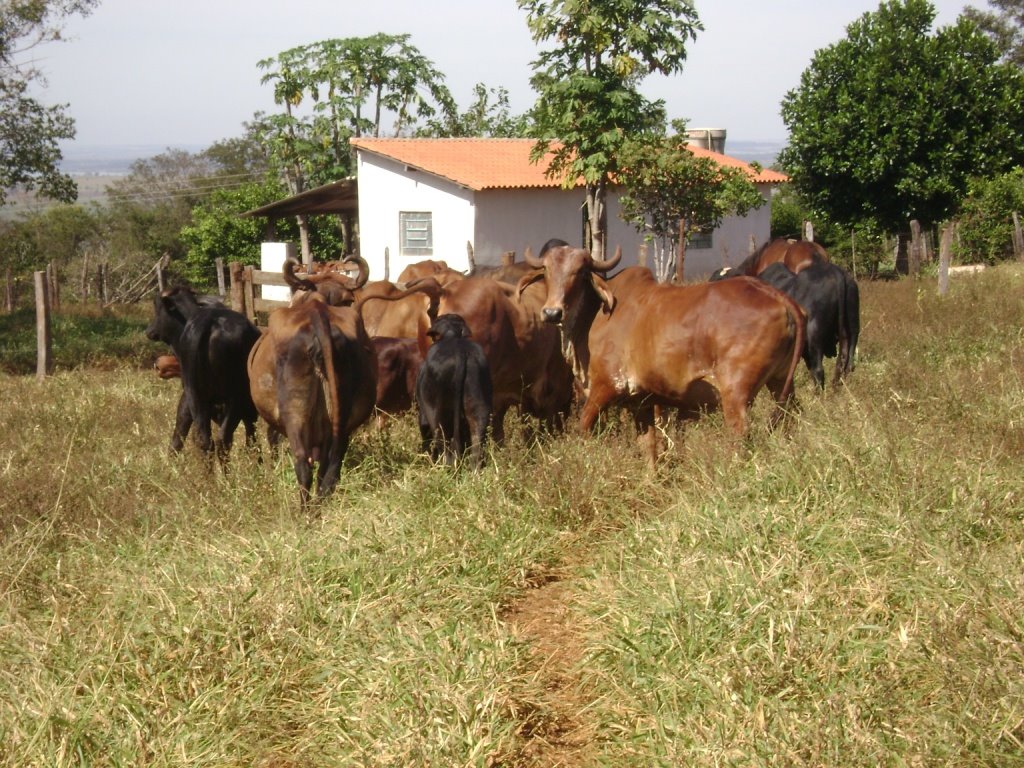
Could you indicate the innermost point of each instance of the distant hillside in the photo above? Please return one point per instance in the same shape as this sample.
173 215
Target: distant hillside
111 159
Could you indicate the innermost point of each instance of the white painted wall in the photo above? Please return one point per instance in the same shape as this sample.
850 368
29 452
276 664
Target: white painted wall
272 258
499 220
387 188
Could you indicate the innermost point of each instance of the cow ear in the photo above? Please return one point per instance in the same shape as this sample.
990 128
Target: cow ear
527 280
603 291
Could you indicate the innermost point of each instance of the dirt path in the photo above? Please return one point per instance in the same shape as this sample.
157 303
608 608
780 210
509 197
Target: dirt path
558 732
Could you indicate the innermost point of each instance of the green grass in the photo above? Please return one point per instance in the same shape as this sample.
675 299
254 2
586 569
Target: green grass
844 591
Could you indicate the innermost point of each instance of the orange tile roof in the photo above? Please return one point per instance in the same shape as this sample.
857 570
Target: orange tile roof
499 163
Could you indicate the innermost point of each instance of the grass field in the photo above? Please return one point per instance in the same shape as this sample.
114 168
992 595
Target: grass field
845 591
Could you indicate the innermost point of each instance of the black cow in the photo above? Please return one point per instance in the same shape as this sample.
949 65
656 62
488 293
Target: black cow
454 392
830 297
212 344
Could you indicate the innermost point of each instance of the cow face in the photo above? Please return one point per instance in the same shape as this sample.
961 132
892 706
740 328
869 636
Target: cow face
171 310
568 273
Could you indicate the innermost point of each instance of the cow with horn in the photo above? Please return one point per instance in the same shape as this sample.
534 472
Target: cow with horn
632 340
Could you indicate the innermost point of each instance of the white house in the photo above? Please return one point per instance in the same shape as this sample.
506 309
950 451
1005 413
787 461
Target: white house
427 198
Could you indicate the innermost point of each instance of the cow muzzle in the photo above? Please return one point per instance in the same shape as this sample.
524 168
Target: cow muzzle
552 315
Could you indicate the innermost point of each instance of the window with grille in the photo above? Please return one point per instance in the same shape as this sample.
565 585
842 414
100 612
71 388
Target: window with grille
700 239
417 234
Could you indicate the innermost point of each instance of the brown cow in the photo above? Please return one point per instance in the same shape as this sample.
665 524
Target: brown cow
335 285
313 378
797 255
167 367
691 347
527 367
439 270
398 363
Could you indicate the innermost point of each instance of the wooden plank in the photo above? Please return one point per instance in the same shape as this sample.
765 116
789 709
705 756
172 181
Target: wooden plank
263 277
267 305
249 295
44 344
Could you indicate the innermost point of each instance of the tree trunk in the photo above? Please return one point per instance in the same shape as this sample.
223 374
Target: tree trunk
680 253
307 253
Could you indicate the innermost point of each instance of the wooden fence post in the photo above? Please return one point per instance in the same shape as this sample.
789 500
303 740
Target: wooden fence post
945 257
508 258
248 293
808 231
387 263
53 285
44 345
916 246
9 292
1018 238
219 265
237 294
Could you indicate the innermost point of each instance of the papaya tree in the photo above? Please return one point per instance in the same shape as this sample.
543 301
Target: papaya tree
588 103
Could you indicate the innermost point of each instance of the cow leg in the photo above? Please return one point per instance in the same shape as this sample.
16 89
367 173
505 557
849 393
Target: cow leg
304 475
478 418
645 417
204 437
227 434
600 396
816 365
329 471
182 424
777 387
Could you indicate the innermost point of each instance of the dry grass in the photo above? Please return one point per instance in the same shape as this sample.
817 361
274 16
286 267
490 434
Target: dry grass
844 592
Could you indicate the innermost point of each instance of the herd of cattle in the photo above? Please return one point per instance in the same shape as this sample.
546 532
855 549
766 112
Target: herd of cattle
539 334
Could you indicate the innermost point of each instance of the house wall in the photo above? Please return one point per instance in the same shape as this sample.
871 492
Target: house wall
387 188
499 220
511 219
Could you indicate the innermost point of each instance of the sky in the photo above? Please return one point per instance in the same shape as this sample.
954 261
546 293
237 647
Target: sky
182 73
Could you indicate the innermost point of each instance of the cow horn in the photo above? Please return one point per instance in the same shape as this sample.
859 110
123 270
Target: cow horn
295 282
363 275
530 259
604 265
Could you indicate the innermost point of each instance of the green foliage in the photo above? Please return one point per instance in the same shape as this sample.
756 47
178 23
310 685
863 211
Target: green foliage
218 231
588 104
1004 25
889 124
985 220
83 337
665 184
488 116
348 86
29 130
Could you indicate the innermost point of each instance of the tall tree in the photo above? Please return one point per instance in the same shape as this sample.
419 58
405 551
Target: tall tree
489 115
890 123
588 102
29 130
1005 25
671 193
342 83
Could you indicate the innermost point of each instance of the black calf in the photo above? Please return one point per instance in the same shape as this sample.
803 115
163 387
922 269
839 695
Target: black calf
454 392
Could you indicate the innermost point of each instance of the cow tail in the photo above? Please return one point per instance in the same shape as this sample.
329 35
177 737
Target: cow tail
325 371
798 318
843 323
458 406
